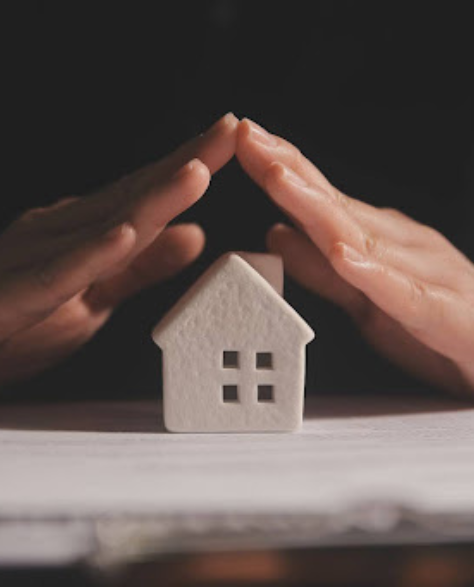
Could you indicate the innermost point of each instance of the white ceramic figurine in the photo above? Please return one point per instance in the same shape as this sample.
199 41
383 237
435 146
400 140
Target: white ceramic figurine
234 351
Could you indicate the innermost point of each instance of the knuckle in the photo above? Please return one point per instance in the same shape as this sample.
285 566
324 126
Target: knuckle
64 202
372 245
417 299
335 254
47 281
376 247
395 213
32 215
291 152
75 312
340 198
273 175
45 277
297 155
433 236
417 292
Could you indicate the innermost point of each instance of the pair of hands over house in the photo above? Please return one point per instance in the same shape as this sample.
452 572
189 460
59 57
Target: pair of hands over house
64 268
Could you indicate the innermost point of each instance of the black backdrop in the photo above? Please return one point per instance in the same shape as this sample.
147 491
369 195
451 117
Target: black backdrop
379 95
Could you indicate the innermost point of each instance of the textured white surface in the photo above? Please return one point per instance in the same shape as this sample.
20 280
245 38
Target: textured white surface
359 462
232 308
101 459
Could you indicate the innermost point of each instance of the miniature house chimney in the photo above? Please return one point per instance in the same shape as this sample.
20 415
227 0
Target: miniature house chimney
269 266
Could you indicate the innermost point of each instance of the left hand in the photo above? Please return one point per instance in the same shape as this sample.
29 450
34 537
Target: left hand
65 268
408 288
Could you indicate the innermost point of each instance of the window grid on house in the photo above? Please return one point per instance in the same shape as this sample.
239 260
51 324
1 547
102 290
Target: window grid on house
264 360
230 359
265 393
230 394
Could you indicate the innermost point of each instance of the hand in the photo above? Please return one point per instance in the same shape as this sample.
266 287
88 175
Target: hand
410 291
63 269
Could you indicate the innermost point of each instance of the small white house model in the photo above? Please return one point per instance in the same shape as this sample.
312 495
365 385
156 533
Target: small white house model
234 351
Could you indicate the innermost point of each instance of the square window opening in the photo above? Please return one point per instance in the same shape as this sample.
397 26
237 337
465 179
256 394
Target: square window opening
230 359
266 393
264 361
230 394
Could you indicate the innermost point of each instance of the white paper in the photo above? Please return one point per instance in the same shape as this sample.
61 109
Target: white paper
358 457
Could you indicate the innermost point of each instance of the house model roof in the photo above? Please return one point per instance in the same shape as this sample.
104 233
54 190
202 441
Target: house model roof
246 271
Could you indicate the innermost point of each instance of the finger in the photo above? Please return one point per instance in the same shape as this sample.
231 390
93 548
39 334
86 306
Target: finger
434 315
214 149
328 220
323 221
176 248
327 224
305 263
165 202
48 342
257 150
148 217
33 295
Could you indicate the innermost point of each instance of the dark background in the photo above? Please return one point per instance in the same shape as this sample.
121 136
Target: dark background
378 95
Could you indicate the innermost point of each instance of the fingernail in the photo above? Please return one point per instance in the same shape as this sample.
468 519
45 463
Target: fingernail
260 135
185 169
227 119
350 254
279 226
292 177
119 231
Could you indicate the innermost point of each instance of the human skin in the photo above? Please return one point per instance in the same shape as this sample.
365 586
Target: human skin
410 291
64 268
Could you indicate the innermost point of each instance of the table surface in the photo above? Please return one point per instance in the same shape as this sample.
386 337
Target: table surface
104 481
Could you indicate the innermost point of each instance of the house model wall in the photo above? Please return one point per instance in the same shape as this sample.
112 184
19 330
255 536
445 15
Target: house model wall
234 351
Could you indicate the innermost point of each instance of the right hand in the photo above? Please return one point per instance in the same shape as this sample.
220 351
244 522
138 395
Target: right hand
408 288
64 268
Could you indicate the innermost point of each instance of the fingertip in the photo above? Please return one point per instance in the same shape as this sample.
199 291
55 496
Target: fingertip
119 241
226 126
196 237
274 234
124 235
281 238
195 167
229 121
196 177
244 135
244 130
271 240
182 244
